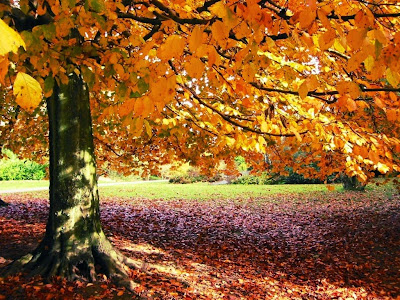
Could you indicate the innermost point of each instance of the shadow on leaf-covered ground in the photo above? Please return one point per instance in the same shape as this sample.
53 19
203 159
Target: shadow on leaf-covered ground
294 246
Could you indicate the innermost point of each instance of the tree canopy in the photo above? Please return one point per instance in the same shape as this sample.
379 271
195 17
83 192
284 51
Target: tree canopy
209 80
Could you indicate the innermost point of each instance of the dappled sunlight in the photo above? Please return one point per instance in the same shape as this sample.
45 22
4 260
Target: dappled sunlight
320 246
178 273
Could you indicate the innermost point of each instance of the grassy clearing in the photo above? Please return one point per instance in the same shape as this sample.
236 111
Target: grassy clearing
204 191
27 184
22 184
198 191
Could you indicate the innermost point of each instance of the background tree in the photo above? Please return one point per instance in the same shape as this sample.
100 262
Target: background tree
198 81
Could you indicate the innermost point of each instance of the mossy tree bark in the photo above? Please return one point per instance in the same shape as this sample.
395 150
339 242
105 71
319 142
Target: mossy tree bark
74 245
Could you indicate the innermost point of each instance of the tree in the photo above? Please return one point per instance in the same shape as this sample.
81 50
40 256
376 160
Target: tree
198 81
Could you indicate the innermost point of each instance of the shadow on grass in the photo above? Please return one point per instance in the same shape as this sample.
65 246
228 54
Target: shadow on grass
217 250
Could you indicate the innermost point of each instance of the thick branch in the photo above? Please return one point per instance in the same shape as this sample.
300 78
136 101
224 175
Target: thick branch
139 19
352 17
152 32
319 94
229 118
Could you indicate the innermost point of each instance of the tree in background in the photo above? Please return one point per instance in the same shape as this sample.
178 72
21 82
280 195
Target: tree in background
199 81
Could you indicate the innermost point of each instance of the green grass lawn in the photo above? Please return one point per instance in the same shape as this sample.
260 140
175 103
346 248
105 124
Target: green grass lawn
27 184
196 191
22 184
203 191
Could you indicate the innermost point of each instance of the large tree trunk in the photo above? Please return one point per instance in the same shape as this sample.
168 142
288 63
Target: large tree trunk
74 245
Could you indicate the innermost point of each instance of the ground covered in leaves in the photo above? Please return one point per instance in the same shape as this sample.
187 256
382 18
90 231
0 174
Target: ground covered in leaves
285 246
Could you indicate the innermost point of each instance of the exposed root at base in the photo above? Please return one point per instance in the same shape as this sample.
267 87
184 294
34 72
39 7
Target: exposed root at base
85 265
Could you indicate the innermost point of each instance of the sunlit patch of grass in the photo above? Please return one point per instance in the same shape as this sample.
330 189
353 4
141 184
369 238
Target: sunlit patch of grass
204 191
22 184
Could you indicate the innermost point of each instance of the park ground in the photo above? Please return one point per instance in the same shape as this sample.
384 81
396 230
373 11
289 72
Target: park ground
203 241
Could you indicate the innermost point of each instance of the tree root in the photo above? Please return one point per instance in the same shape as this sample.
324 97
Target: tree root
85 264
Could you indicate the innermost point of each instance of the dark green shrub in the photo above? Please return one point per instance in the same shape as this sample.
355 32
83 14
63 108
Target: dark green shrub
295 178
261 179
192 179
352 183
246 179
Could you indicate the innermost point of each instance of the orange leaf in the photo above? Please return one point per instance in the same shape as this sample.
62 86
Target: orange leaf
172 48
303 90
351 105
349 87
4 63
195 67
330 187
355 38
306 18
196 38
391 114
220 31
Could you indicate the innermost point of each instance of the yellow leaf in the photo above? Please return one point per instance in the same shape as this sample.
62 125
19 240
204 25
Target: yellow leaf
148 128
392 77
369 63
27 91
196 38
10 40
382 168
338 46
172 48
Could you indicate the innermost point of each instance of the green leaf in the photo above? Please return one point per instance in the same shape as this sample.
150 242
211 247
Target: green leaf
378 48
31 40
48 84
88 76
97 5
143 86
49 31
122 89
